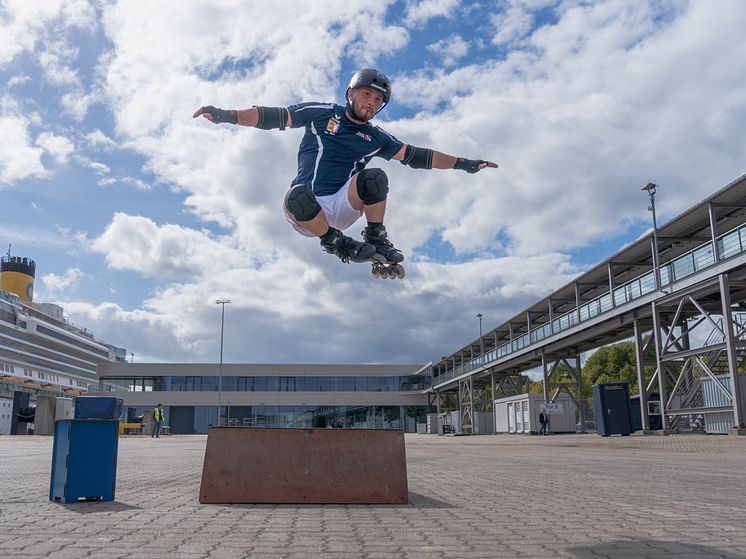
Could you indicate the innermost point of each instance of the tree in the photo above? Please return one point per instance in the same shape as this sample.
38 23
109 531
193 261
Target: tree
533 386
613 363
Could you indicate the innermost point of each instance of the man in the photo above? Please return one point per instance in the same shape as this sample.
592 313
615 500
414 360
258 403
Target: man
333 187
544 420
157 422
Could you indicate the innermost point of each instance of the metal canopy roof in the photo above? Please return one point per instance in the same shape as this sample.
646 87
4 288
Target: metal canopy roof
676 237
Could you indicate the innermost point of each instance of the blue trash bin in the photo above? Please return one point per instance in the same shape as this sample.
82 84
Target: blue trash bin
84 460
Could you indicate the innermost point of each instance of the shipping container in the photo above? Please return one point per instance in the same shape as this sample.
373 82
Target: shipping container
520 414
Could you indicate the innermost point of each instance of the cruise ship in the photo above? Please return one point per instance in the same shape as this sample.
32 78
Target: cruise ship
41 353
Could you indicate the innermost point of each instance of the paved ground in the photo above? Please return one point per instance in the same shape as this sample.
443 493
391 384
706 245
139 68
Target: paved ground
577 496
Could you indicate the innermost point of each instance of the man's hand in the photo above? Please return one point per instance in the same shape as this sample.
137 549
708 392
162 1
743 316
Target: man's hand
213 114
472 166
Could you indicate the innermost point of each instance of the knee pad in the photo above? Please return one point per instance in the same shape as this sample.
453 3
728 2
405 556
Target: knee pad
372 186
301 203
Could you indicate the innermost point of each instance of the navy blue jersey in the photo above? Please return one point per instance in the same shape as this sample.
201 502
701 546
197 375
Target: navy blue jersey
335 148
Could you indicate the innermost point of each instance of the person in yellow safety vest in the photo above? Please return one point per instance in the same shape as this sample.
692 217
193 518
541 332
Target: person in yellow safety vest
157 422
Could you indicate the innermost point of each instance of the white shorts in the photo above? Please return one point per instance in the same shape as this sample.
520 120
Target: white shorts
339 213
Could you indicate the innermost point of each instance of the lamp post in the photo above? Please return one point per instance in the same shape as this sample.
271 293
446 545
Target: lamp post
481 339
651 187
132 359
222 302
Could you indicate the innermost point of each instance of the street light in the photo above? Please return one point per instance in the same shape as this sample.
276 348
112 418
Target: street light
132 359
481 340
222 302
651 187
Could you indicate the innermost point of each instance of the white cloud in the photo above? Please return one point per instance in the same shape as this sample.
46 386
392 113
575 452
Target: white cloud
137 183
76 103
513 23
166 54
18 80
96 166
169 251
56 59
433 309
602 102
19 158
579 114
55 285
99 140
24 23
418 12
451 50
59 147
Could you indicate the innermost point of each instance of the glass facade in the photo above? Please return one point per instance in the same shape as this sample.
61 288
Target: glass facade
187 420
177 383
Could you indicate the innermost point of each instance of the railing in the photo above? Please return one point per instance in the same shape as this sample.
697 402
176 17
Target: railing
729 244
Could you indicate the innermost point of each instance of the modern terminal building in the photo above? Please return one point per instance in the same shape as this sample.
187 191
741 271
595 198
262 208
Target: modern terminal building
303 396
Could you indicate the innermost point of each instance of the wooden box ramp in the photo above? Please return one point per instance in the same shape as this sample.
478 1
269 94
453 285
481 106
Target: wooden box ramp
313 466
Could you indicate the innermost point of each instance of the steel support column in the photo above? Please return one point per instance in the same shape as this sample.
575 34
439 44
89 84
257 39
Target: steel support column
466 405
730 345
713 231
581 409
494 395
544 367
663 393
641 382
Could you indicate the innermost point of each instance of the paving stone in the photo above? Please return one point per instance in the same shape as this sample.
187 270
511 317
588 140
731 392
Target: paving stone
575 496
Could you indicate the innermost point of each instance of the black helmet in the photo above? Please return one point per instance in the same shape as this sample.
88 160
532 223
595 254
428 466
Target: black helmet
372 78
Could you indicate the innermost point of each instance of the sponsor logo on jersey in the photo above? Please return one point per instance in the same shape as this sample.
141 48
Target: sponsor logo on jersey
332 126
365 137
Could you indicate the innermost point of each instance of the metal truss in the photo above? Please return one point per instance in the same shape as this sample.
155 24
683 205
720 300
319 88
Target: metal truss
564 375
508 386
433 401
694 318
466 405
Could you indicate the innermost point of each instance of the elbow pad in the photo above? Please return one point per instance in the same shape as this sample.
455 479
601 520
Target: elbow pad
272 117
418 158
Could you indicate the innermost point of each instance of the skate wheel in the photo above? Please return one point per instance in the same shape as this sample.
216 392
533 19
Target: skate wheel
376 272
398 271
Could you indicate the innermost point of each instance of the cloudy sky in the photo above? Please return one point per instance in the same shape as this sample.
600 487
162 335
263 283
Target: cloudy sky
140 217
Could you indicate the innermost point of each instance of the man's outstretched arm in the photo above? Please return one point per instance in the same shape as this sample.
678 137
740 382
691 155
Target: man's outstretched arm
423 158
265 118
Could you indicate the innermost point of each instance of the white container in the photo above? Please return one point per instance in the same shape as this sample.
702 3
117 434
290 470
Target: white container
432 423
520 414
46 410
6 412
63 409
456 421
